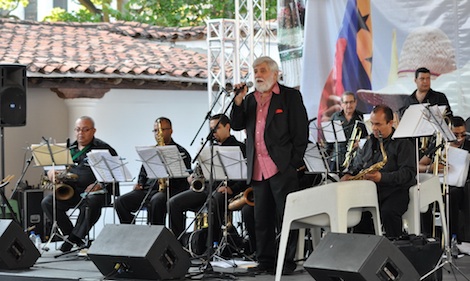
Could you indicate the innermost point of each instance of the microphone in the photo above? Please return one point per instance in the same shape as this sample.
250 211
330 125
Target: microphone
229 87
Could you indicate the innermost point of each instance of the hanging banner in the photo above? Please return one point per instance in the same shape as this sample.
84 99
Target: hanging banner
373 47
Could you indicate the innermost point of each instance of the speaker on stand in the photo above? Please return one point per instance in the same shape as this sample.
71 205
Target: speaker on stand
13 84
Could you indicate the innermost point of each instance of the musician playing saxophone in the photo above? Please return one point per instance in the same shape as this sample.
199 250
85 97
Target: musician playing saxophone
351 120
156 200
393 179
193 200
85 182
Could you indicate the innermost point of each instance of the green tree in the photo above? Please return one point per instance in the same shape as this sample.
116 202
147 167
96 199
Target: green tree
175 13
8 6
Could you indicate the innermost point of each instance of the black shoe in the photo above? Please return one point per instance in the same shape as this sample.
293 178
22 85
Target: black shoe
66 247
261 269
289 269
76 240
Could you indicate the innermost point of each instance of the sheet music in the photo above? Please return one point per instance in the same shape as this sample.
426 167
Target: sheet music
458 166
162 161
329 131
204 160
108 168
415 122
232 159
314 160
42 155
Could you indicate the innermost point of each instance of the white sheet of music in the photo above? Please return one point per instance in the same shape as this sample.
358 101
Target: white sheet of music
458 166
162 161
234 162
108 168
329 131
416 122
314 160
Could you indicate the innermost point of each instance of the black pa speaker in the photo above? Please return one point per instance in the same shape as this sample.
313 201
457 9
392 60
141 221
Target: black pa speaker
358 257
13 84
139 251
16 250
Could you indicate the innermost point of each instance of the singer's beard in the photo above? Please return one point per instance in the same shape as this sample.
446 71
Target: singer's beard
264 86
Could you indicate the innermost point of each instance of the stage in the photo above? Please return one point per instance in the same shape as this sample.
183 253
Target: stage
75 267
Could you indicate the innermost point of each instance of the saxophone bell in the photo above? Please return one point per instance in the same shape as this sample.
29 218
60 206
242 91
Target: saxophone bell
198 183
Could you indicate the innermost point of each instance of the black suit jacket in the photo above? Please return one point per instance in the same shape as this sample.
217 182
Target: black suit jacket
286 132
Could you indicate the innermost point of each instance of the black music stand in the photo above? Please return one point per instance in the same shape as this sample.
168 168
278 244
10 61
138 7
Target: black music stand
333 132
161 162
108 169
52 154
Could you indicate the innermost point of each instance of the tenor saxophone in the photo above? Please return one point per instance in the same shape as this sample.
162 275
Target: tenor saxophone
377 166
162 182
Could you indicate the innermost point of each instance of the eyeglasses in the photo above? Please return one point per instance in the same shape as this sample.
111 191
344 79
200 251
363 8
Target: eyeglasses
84 130
460 134
163 129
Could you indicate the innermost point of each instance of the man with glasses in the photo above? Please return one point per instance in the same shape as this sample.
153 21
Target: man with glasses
83 182
129 203
456 193
349 117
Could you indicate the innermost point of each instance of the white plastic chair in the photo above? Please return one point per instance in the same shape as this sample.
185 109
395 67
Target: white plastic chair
337 205
429 192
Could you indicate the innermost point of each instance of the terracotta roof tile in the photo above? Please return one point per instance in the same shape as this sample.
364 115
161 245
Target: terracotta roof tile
101 49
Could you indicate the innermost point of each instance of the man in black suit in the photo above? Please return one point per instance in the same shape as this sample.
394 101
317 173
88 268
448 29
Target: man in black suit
276 125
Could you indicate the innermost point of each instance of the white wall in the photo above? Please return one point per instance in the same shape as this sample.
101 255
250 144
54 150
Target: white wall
124 119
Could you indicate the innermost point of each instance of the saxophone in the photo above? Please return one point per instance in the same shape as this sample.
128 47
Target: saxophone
351 152
377 166
162 183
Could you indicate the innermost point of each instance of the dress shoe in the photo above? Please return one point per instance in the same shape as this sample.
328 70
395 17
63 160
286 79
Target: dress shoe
261 269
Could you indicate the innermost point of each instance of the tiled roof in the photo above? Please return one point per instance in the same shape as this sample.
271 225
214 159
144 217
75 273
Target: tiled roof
102 50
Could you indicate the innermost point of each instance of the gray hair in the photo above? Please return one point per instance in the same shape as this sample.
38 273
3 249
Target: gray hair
272 64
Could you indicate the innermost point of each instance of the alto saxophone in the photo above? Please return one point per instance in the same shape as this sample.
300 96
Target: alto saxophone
162 182
377 166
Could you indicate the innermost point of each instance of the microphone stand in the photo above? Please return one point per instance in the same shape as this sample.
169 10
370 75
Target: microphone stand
210 251
23 173
208 114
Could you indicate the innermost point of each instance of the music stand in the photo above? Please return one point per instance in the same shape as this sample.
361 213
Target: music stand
108 169
161 162
315 161
52 154
228 163
333 132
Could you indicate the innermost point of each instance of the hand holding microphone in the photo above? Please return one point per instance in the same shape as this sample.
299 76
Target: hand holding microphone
240 91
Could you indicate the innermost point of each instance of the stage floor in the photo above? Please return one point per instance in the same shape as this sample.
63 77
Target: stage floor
73 267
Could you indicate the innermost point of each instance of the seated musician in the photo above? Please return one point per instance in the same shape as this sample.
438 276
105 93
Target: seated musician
456 193
85 182
156 200
352 122
393 176
193 200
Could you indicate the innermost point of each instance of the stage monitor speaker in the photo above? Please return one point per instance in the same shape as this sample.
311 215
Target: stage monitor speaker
13 85
358 257
139 252
16 250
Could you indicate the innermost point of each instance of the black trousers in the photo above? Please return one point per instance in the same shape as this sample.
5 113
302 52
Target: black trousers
270 198
156 204
91 204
